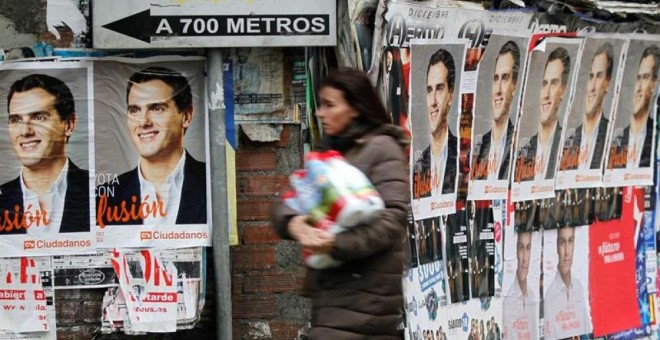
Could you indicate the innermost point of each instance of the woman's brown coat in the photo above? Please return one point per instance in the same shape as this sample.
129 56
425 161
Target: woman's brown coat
362 299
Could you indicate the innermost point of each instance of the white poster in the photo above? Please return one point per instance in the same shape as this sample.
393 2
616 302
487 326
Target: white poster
501 72
632 140
149 287
588 121
151 153
23 300
435 108
46 183
544 105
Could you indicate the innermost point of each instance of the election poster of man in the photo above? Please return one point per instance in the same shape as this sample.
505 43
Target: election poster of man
588 121
497 107
435 107
522 283
566 310
544 104
151 153
46 183
629 153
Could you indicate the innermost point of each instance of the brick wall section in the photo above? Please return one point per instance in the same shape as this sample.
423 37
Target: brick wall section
266 271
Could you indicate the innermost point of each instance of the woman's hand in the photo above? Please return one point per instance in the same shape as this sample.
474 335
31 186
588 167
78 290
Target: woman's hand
319 241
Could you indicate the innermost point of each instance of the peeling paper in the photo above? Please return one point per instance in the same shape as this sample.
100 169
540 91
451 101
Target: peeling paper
150 290
262 132
65 12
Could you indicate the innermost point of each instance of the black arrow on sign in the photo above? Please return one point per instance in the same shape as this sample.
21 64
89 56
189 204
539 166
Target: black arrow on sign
138 26
143 26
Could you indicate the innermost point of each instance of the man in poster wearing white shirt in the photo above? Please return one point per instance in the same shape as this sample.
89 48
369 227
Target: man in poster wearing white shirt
51 193
167 179
583 150
435 171
495 150
633 147
541 150
521 314
565 305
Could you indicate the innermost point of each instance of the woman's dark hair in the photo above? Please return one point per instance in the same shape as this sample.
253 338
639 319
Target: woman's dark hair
360 94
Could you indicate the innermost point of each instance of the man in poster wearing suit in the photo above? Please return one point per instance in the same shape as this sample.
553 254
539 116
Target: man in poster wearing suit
51 193
587 153
168 186
495 151
633 147
538 157
435 171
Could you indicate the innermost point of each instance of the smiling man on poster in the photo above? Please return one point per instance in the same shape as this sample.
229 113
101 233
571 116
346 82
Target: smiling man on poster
495 150
521 314
541 150
51 193
435 171
565 304
583 149
632 148
168 186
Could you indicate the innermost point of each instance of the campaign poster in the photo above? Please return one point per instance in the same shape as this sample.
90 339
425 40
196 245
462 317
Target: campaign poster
498 92
566 310
477 27
544 107
46 181
151 154
630 151
435 108
583 150
522 284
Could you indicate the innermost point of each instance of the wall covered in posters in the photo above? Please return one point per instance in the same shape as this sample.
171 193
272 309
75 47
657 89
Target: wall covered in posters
542 220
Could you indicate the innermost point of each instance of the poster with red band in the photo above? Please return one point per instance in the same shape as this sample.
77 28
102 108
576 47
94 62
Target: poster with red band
149 286
23 305
612 250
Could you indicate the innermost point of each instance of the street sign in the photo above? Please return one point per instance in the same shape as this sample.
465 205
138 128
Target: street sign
120 24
